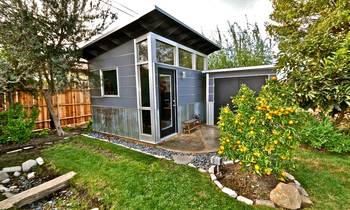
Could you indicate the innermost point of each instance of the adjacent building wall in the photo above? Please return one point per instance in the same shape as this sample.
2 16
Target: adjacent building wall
211 76
116 115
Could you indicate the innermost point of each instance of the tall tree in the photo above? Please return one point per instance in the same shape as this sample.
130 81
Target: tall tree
40 38
314 51
241 46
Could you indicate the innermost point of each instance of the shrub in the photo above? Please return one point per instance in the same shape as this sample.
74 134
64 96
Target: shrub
16 124
323 135
261 131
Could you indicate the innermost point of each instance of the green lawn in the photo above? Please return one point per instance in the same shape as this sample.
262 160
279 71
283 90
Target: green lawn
123 179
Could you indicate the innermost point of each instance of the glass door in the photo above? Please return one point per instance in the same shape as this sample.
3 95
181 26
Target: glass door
167 101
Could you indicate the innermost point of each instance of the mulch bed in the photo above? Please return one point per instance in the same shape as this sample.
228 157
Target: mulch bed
246 184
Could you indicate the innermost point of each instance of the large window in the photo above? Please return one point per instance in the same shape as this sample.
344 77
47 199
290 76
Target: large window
199 62
165 53
146 122
144 79
110 82
185 58
142 51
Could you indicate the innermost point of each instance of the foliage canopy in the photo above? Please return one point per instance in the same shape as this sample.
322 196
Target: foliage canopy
314 51
242 46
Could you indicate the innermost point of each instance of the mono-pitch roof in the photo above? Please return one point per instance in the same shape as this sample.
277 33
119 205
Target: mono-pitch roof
157 21
245 68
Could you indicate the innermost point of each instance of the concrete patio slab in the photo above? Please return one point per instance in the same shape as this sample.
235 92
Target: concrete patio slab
203 140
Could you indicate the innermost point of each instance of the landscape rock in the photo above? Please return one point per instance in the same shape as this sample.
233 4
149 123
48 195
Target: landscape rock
229 192
286 196
218 184
306 201
17 174
3 189
28 165
216 160
211 169
31 175
8 194
265 203
40 161
12 169
245 200
182 159
297 183
302 191
228 162
13 188
290 176
3 176
5 181
191 165
202 170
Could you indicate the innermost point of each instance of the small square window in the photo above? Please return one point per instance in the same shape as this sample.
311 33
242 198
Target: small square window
142 51
165 53
110 82
199 62
185 58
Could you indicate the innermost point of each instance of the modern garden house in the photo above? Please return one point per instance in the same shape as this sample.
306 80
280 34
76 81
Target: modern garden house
152 78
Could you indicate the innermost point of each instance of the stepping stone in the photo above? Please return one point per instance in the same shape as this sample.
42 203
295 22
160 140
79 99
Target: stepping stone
29 164
3 176
5 181
12 169
183 159
40 161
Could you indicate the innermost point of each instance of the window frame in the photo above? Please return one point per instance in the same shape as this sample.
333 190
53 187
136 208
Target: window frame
102 82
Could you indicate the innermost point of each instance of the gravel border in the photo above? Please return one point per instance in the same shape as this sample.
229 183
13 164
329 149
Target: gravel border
200 161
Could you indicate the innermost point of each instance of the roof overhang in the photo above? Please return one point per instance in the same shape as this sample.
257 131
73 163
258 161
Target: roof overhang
157 21
246 68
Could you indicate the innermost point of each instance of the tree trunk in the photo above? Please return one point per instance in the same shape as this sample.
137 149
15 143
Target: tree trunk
54 115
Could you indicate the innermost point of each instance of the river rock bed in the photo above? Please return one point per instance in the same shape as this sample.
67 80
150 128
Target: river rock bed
199 160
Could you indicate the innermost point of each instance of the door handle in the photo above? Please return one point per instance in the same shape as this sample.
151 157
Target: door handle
174 103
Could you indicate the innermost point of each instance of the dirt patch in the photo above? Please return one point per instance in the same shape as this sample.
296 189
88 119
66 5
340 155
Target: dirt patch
39 142
246 184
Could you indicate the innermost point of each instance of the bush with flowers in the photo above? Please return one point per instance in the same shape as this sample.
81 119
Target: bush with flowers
260 131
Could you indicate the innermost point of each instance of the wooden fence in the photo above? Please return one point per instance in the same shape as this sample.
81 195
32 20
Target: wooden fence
73 107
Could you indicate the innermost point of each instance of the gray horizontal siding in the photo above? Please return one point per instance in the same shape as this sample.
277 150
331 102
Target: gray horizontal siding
191 88
123 58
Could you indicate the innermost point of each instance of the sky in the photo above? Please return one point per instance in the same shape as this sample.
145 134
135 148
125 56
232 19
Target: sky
202 15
